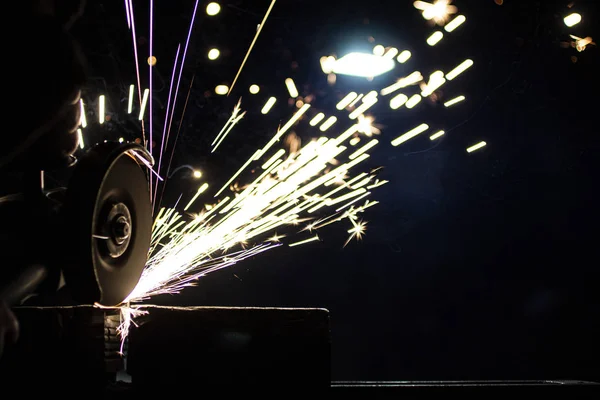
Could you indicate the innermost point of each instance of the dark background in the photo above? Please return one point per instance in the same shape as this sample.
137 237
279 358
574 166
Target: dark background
474 266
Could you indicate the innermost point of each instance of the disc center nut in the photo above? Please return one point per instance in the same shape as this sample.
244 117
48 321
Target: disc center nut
121 229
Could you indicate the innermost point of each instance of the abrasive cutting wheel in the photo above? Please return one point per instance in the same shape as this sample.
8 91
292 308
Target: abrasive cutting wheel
107 223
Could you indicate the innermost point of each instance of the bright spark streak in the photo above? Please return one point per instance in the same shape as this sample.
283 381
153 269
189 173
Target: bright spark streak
459 70
101 101
137 64
127 14
356 232
572 19
398 101
435 38
268 105
378 50
150 42
345 102
252 44
201 190
316 119
435 82
404 56
355 100
291 87
254 89
355 141
476 147
455 23
391 53
274 158
437 135
409 80
377 184
454 101
410 134
349 132
413 101
213 54
285 128
213 8
144 101
313 239
276 238
364 149
80 138
347 196
365 125
367 103
130 101
233 123
83 119
328 124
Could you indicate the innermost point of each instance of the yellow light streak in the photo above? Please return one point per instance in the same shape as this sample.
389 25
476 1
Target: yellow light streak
80 137
221 90
435 38
239 171
377 184
410 134
353 202
476 147
274 158
285 128
468 63
201 190
391 53
454 101
409 80
130 100
367 103
378 50
144 102
413 101
572 19
268 105
404 56
360 96
328 124
455 23
398 101
316 119
213 8
437 135
345 102
101 116
354 141
364 149
291 87
347 196
362 183
313 239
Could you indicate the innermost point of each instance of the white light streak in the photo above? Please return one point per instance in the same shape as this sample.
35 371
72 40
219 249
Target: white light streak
101 109
201 190
362 64
130 100
328 124
80 138
437 135
213 54
572 19
364 149
285 128
213 8
404 56
345 102
459 70
367 103
398 101
316 119
274 158
409 80
413 101
378 50
454 101
313 239
144 101
254 89
291 87
268 105
476 147
391 53
435 38
353 201
410 134
354 141
221 90
455 23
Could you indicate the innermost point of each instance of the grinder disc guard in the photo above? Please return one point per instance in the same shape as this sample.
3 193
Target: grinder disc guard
108 222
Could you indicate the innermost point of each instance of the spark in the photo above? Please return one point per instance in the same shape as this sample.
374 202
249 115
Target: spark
413 101
367 103
137 64
572 19
101 101
377 184
268 105
581 43
366 125
357 231
404 56
83 119
435 38
354 141
328 124
410 134
437 135
213 9
274 158
353 103
200 190
391 53
364 149
221 90
254 89
468 63
80 138
409 80
316 119
476 147
312 239
143 107
378 50
345 102
252 44
454 101
398 101
213 54
130 101
291 87
439 11
229 128
455 23
276 238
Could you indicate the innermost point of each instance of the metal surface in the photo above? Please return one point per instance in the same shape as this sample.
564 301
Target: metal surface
108 219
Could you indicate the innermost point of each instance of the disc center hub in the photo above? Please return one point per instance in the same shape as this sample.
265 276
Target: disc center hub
119 228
